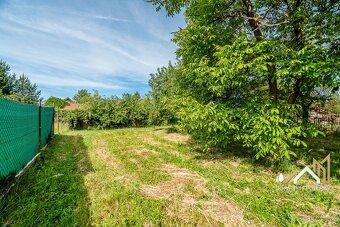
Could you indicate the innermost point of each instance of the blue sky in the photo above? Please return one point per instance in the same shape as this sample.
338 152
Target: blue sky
65 45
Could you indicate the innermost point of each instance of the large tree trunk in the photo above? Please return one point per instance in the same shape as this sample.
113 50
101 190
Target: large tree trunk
299 44
293 98
272 81
296 91
305 112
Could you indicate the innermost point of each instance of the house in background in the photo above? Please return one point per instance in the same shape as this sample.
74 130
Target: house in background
72 105
69 100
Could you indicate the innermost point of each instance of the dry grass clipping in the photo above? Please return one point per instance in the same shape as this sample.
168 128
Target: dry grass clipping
174 190
178 138
143 152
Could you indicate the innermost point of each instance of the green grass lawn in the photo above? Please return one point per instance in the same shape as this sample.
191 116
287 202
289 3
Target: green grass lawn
152 177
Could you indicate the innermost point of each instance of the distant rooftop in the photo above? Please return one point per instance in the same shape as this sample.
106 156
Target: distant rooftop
72 106
69 100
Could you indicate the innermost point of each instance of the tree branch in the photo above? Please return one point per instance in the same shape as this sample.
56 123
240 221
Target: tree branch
260 20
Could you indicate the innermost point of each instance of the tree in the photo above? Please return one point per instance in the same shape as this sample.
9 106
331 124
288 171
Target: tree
25 91
55 102
249 69
82 96
163 85
135 111
20 89
132 110
333 104
6 80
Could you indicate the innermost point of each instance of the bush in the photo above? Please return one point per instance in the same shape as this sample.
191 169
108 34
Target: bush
104 113
270 130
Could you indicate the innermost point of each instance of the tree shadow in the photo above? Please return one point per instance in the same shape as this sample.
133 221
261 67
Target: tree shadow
232 152
52 191
167 129
318 148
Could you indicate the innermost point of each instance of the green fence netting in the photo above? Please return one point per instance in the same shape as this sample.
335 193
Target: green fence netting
46 124
19 135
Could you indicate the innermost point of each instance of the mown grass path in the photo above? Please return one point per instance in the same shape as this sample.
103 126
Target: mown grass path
152 177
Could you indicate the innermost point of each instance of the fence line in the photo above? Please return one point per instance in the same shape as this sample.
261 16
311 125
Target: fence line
327 121
24 130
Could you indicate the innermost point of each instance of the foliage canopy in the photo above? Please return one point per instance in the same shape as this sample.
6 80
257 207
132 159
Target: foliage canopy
131 110
19 89
55 102
248 71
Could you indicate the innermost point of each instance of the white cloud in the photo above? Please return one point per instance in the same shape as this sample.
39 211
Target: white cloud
51 80
82 43
111 18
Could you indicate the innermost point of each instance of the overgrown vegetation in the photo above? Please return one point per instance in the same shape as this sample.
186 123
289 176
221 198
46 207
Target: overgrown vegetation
249 71
58 103
153 177
131 110
333 104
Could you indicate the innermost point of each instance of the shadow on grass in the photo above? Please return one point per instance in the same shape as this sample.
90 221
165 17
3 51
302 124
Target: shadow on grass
233 151
52 191
318 148
167 129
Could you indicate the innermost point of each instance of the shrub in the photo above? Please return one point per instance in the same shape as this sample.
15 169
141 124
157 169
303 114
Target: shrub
104 113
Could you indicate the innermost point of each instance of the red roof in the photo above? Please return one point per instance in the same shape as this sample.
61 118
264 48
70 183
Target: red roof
72 106
67 99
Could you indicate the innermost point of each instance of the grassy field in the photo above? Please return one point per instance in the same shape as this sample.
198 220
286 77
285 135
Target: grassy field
152 177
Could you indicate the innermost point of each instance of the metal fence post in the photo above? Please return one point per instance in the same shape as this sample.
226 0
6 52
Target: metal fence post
52 130
39 124
58 120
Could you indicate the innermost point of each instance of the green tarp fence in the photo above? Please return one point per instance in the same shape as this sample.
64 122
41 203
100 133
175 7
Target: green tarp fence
24 129
46 124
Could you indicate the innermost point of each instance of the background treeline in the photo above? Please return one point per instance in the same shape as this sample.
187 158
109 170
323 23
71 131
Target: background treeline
17 88
96 111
